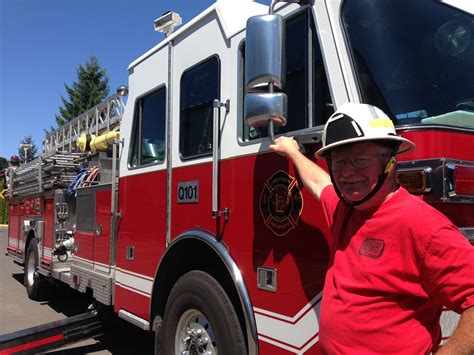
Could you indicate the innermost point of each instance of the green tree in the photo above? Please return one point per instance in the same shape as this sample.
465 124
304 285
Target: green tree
3 163
91 88
3 204
31 152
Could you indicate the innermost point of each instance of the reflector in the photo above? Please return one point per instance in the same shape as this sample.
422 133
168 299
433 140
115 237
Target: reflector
463 180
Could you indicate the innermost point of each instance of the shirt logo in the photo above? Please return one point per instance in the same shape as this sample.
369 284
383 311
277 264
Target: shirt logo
373 248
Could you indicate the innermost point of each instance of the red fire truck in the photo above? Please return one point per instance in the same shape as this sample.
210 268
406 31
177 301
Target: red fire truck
184 222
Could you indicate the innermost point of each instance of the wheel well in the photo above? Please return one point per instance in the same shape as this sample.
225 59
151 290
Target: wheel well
187 255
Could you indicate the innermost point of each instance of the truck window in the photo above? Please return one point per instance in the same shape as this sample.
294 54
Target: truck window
309 99
199 87
148 138
425 73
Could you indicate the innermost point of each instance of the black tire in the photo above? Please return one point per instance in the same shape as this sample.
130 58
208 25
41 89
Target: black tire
37 287
199 305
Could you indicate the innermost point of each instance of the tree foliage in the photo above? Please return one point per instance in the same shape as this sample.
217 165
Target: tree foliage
3 205
3 163
91 88
31 152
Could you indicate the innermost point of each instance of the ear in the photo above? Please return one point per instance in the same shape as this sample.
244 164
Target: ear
390 165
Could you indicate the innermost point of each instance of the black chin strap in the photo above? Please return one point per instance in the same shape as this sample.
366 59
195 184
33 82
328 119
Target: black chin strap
382 177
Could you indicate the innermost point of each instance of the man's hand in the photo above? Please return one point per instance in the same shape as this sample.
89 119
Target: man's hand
285 146
313 177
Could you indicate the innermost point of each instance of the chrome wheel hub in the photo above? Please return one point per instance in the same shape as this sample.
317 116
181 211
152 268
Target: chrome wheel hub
194 335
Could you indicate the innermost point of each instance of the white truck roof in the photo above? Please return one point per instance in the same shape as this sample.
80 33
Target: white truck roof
232 15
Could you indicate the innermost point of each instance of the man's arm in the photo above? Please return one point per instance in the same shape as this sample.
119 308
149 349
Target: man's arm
314 178
462 340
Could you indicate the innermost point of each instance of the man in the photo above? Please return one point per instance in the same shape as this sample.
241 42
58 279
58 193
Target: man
395 260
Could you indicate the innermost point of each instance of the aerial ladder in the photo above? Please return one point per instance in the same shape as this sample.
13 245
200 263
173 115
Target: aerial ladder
63 155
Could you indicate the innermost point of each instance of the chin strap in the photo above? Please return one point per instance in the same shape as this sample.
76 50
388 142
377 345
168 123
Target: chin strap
389 166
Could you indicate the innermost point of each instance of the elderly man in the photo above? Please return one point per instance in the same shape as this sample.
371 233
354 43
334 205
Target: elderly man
395 261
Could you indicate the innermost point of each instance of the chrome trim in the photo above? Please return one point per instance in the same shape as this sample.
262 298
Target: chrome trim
169 126
134 319
216 105
100 284
221 250
263 281
114 192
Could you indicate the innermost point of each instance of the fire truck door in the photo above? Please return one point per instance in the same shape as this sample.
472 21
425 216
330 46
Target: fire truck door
194 188
14 234
102 232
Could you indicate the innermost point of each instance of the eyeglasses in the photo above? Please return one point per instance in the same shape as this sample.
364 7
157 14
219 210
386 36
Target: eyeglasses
359 162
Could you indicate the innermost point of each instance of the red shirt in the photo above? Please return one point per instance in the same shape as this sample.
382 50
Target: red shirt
389 275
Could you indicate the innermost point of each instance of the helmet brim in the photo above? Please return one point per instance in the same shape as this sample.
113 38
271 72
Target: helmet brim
405 144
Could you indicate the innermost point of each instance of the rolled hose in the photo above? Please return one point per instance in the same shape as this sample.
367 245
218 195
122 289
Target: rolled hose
90 142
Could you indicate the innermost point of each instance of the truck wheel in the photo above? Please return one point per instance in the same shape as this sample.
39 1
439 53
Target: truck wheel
37 287
199 319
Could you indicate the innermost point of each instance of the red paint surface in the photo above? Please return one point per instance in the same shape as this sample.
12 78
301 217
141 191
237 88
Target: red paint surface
102 242
33 206
439 144
13 225
48 237
85 241
132 302
142 200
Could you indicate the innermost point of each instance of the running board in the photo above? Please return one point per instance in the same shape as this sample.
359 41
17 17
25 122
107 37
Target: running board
51 335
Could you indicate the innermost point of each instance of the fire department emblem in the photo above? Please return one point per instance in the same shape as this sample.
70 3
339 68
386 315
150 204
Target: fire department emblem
281 203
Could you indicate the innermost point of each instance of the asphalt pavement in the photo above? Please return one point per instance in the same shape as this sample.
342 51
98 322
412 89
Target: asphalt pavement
18 312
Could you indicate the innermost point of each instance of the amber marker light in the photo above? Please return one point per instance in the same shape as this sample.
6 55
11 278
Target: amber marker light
414 180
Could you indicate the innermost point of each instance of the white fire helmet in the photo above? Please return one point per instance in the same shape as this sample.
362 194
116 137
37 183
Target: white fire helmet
353 123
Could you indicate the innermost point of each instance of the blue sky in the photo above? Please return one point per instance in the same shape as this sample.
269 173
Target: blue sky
43 42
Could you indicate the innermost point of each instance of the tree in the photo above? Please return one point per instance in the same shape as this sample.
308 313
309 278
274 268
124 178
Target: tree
3 163
31 152
3 205
91 88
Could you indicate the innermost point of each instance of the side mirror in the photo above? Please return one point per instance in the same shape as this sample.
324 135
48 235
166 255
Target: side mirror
264 59
265 70
259 108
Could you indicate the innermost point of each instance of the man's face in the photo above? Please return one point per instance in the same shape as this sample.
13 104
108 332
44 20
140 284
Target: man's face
356 168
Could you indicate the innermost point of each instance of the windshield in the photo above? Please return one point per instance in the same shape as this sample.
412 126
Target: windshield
414 59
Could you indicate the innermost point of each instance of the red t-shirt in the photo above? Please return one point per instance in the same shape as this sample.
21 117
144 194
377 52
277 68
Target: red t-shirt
389 275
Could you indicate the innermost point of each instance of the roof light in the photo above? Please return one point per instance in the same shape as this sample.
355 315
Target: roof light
167 22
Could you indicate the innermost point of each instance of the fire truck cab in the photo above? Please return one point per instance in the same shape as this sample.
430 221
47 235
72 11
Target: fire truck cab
190 227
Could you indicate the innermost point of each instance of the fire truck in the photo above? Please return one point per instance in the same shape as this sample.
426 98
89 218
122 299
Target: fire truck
172 210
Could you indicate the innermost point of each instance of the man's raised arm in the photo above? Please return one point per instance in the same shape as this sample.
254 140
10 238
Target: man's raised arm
314 178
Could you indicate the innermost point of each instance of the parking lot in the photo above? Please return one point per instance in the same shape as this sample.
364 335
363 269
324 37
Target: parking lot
18 312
